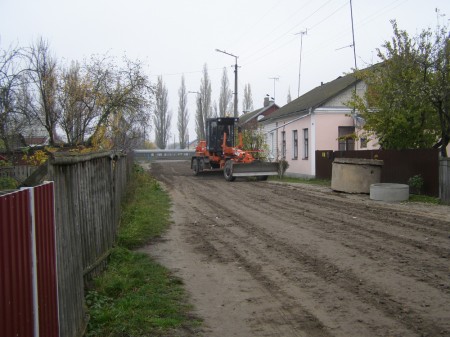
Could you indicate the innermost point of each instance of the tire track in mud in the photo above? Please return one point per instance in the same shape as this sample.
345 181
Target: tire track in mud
351 228
366 291
291 313
396 217
335 292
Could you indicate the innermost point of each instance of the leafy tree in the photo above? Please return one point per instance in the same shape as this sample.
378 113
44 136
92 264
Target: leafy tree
439 85
253 139
161 116
247 103
183 116
398 106
225 95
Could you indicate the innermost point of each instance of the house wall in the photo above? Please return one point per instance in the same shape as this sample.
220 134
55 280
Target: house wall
302 166
327 123
323 125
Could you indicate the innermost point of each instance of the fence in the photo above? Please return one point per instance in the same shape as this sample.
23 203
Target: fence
20 172
87 191
28 283
398 166
444 180
153 155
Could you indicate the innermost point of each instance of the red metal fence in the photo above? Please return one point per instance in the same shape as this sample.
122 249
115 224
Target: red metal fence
28 283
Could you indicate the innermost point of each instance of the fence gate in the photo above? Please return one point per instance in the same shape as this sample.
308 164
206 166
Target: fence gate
28 280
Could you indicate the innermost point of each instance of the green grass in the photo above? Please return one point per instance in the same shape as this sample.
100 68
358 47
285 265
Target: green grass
146 211
135 296
322 182
423 198
312 181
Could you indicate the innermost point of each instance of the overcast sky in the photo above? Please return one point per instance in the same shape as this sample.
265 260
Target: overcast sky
175 37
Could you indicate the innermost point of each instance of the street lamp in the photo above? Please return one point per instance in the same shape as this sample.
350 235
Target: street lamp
235 81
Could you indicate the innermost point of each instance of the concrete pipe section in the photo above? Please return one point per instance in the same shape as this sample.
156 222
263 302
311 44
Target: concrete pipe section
389 192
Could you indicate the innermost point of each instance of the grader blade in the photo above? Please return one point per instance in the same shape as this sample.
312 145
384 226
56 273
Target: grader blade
255 169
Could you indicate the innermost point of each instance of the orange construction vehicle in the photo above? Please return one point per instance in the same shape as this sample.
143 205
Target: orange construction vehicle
218 152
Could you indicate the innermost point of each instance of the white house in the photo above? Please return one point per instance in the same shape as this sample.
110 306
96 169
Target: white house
317 120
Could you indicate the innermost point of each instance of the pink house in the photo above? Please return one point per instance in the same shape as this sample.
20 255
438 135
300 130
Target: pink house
317 120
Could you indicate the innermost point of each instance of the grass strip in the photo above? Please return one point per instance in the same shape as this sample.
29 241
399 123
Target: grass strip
324 182
135 296
145 213
311 181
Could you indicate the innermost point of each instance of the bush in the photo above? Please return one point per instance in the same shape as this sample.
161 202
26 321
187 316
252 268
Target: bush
415 184
8 183
283 165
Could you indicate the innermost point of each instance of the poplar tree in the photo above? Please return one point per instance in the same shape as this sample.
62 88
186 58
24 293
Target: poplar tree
183 116
204 110
225 95
247 103
162 117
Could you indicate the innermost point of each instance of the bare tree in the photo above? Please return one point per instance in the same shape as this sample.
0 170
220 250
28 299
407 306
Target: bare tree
199 120
183 116
225 95
204 110
72 98
288 97
12 121
118 100
215 110
247 103
43 88
161 116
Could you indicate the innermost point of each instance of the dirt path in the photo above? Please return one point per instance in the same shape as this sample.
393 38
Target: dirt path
267 259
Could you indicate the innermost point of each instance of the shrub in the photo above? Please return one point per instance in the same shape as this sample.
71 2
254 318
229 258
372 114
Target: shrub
415 184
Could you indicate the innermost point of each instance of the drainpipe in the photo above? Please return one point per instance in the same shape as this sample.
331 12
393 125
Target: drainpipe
312 143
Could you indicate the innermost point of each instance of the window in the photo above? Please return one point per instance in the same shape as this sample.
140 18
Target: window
346 138
305 144
283 144
295 142
363 144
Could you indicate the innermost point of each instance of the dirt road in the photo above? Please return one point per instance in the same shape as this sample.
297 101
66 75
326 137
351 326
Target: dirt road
268 259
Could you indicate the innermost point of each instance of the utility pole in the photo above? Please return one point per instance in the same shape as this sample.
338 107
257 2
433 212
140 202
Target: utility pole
274 79
300 62
235 81
353 34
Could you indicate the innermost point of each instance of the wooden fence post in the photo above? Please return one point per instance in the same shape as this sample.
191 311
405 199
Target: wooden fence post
444 180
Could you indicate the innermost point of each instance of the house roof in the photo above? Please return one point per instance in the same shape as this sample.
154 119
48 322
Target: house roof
314 98
245 118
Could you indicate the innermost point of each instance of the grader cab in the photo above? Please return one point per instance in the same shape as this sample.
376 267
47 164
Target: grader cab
219 152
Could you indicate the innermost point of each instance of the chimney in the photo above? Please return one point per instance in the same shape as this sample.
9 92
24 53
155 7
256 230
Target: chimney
266 101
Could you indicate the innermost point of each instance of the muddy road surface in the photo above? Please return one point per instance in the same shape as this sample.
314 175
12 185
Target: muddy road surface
270 259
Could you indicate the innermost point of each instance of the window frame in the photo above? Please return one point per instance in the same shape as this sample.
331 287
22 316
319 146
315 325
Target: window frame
295 144
305 143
